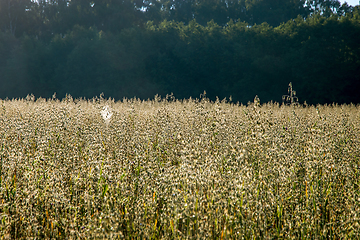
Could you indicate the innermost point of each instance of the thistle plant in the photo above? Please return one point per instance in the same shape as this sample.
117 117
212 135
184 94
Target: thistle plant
106 114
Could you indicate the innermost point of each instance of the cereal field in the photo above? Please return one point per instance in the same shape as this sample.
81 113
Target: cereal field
171 169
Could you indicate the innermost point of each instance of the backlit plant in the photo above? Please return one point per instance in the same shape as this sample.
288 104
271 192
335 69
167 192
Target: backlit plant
171 169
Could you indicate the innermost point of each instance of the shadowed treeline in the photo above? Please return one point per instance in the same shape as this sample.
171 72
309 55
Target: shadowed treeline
143 48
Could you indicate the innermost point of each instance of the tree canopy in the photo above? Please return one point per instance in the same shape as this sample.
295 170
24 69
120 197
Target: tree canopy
141 48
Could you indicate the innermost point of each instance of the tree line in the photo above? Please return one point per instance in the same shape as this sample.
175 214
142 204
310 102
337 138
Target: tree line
141 48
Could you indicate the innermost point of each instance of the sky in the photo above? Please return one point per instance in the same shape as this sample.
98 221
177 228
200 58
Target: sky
351 2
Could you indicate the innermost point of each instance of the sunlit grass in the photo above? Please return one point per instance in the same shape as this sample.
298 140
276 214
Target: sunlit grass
190 169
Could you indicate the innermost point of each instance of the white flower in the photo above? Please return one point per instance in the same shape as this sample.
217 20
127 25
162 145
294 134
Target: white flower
106 114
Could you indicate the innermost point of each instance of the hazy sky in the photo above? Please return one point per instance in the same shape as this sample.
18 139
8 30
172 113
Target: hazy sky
351 2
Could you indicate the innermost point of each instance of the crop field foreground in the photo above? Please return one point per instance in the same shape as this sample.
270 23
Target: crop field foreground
178 169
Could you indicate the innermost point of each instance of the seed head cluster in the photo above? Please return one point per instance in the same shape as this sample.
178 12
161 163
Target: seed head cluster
178 169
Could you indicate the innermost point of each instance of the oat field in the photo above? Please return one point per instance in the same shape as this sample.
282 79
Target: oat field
178 169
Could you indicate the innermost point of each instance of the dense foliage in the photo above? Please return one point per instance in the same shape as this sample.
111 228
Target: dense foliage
142 48
190 169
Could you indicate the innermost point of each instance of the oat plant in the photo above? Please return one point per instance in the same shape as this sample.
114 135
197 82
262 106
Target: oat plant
291 97
178 169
